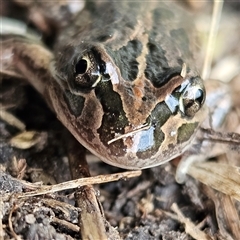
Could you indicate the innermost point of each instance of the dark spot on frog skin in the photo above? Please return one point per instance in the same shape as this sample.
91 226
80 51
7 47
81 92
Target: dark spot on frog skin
74 102
114 119
125 59
186 131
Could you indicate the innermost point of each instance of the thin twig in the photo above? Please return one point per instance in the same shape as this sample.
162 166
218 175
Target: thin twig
1 217
190 228
14 208
66 224
77 183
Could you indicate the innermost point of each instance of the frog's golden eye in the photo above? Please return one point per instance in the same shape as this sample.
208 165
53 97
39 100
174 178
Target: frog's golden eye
87 72
192 97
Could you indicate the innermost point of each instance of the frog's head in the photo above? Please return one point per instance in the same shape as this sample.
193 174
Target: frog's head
128 113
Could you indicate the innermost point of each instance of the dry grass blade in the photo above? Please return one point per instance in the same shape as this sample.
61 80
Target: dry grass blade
227 215
28 139
216 16
11 120
222 177
231 215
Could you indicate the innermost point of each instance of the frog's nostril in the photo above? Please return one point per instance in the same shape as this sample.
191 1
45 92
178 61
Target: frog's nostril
200 96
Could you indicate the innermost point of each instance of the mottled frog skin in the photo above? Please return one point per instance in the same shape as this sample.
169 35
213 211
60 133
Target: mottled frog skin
119 65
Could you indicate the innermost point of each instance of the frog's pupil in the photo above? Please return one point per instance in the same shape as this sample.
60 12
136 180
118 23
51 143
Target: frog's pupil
81 66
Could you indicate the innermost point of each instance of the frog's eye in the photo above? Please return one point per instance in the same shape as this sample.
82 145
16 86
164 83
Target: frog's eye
192 98
87 72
